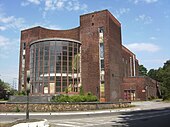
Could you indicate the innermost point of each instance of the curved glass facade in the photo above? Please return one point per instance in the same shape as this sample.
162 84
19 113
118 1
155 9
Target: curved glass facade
54 66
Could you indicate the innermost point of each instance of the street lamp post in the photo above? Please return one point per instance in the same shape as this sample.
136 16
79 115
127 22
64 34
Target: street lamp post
28 91
27 108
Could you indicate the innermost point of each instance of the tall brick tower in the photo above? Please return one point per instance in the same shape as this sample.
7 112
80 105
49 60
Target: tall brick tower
101 65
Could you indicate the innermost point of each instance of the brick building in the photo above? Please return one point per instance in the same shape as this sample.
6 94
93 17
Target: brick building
90 56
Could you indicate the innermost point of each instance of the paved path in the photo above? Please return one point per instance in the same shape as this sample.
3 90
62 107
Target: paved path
144 105
146 113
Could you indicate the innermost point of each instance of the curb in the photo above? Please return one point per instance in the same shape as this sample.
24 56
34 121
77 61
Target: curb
43 123
75 113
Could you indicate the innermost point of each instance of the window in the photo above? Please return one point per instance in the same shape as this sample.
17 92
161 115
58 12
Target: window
102 64
23 56
54 60
101 50
24 45
101 30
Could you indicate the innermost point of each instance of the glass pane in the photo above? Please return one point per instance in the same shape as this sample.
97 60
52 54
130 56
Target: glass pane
101 50
102 64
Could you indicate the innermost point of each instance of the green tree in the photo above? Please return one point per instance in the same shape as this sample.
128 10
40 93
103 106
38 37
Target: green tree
142 70
163 76
4 86
166 78
153 74
6 90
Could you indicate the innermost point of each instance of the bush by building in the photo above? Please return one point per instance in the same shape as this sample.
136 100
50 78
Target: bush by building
75 98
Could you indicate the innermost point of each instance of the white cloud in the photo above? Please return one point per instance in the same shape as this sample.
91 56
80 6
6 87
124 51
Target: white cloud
3 41
51 5
27 2
8 22
53 27
145 19
144 1
148 47
6 19
70 5
24 4
150 1
160 60
121 11
154 62
17 23
34 1
45 25
8 46
152 38
2 28
4 44
60 4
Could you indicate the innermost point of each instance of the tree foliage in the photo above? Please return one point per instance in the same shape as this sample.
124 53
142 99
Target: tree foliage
4 85
163 76
6 90
142 70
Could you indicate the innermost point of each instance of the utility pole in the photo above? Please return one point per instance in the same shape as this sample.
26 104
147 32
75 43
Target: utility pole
28 92
27 110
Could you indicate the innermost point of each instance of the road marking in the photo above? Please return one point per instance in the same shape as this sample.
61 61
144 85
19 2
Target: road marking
74 122
66 125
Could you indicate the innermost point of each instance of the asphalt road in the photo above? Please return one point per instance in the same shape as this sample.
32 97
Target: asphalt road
145 118
149 118
145 114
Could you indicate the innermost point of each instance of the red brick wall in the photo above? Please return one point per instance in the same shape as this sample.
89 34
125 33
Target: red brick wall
138 84
114 44
37 33
26 37
126 54
89 37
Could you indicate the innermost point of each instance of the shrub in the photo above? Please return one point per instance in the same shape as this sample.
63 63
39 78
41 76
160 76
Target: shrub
81 91
90 97
22 93
75 98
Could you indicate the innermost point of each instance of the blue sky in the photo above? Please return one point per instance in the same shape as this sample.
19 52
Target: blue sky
145 26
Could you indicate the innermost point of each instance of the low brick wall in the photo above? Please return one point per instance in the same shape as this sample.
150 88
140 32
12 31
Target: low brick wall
57 107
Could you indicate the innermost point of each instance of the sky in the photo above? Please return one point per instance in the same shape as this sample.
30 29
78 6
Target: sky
145 26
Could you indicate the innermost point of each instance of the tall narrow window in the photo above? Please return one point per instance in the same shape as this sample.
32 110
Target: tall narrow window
24 45
101 62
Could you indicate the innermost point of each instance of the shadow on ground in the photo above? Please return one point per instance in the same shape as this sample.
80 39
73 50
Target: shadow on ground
146 118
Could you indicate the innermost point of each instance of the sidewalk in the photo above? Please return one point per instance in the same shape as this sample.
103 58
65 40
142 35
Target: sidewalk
43 123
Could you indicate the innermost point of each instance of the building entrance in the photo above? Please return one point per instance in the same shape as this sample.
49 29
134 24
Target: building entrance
129 95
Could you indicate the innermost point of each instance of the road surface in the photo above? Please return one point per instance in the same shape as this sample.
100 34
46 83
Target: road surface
152 114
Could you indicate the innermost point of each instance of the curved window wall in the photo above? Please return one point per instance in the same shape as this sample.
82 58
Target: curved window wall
54 66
